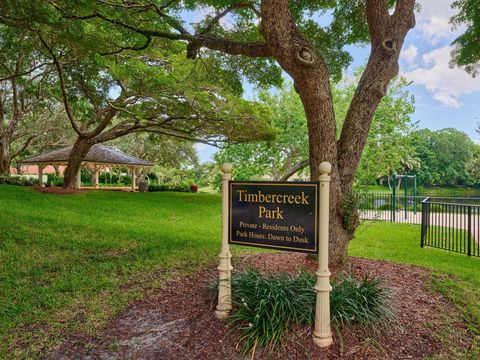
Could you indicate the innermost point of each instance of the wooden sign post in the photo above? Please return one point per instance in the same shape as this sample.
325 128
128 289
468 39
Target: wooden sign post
225 267
278 215
322 336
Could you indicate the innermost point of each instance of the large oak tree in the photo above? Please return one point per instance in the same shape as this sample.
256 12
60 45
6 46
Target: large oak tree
263 34
288 33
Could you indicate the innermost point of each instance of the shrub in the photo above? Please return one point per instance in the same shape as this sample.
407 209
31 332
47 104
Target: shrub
266 306
365 302
126 180
85 177
18 181
54 180
105 178
169 187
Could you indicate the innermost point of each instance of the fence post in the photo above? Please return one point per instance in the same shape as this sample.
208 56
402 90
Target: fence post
415 194
405 199
469 231
394 196
424 224
225 267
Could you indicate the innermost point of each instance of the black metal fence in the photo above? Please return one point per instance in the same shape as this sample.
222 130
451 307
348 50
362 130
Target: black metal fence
386 207
451 224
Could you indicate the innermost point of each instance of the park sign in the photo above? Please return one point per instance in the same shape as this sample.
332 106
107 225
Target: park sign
275 215
295 215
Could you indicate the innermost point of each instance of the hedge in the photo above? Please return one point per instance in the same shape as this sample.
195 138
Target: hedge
18 181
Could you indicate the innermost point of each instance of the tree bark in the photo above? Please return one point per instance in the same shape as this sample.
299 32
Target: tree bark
79 151
5 156
312 82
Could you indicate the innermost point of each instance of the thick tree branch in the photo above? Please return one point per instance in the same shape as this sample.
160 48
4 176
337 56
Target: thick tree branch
387 36
107 118
251 49
311 80
24 146
61 77
294 169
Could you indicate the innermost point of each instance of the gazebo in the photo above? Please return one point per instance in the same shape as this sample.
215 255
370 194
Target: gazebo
99 157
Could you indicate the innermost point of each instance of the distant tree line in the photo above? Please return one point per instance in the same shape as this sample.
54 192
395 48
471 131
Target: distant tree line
445 157
395 145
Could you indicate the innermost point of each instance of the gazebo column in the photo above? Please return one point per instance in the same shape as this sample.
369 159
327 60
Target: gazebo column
40 175
96 176
79 179
134 172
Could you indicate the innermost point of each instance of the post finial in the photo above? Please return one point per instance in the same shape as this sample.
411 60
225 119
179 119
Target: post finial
324 168
226 168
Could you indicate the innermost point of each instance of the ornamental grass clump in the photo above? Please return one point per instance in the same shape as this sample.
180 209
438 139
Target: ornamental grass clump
267 305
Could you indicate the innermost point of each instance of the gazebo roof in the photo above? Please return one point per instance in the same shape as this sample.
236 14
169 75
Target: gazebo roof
98 154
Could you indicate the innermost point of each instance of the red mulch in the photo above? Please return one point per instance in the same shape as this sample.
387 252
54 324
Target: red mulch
58 190
177 322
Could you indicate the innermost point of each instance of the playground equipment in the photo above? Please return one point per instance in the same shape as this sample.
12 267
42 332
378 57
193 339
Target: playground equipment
398 179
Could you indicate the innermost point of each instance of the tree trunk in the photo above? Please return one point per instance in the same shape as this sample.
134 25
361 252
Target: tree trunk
5 157
79 151
312 82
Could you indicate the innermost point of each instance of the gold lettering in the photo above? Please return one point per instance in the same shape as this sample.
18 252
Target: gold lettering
304 199
259 197
270 214
261 211
240 193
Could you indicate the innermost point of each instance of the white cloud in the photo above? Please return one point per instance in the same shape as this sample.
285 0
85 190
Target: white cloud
436 29
446 99
409 54
433 20
446 84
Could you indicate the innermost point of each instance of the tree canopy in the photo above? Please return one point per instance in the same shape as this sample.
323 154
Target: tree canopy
444 155
261 37
467 45
389 141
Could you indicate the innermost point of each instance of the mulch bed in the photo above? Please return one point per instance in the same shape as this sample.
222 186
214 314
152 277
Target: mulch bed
177 322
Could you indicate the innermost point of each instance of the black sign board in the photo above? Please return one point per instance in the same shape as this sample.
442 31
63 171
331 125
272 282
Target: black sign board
275 215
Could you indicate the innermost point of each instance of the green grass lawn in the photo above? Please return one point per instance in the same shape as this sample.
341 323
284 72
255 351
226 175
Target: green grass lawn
69 263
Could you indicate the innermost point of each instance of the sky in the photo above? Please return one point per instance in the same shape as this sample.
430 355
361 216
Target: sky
445 96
